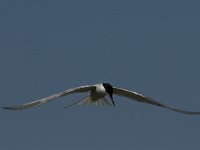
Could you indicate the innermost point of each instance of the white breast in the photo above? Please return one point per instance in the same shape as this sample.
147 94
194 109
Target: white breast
100 89
99 92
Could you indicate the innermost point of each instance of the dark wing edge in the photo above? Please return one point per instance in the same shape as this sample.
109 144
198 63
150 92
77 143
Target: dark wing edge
140 98
39 102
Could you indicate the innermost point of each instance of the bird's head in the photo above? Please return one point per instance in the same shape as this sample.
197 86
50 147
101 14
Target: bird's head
109 90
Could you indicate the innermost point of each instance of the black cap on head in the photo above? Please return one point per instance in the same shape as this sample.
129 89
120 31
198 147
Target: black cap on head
109 90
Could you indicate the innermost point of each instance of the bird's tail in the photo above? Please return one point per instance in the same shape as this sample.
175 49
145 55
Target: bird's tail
88 101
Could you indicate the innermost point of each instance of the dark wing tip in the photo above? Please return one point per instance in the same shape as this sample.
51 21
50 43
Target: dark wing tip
22 107
10 108
184 111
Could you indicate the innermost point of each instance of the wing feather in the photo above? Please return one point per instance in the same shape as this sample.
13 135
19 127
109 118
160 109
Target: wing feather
88 101
140 98
39 102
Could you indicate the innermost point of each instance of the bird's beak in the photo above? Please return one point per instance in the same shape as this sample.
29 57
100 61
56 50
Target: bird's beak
111 97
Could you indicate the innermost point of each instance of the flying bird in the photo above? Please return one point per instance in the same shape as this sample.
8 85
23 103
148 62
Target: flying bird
98 96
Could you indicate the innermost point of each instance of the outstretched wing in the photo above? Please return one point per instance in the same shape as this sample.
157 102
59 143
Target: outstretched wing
143 99
39 102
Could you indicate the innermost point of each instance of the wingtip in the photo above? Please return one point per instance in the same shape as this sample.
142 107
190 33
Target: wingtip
7 108
11 108
4 107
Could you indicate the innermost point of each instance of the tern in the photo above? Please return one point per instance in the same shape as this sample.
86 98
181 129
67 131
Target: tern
98 96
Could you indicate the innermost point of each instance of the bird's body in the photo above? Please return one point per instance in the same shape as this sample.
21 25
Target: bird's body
98 94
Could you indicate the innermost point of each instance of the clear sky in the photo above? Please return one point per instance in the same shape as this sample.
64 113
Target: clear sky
151 47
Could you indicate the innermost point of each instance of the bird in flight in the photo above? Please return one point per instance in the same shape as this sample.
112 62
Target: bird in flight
98 96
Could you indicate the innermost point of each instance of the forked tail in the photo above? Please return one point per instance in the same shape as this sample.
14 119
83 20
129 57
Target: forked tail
88 101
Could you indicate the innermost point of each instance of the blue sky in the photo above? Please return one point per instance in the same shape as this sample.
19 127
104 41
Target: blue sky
151 47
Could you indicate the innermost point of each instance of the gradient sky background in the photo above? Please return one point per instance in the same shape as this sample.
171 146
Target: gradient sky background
151 47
